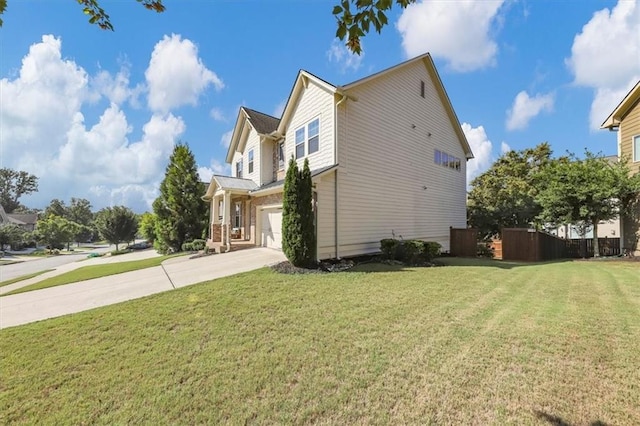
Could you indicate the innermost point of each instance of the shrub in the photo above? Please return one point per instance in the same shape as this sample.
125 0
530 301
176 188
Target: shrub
389 248
187 247
431 249
119 252
413 252
198 244
484 250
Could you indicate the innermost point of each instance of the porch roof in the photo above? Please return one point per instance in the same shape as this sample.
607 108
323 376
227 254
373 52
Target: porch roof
228 183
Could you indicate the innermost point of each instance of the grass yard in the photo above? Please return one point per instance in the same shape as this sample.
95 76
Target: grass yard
91 272
23 277
477 343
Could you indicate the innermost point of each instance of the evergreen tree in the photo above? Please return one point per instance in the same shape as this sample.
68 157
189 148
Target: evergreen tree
181 215
307 215
298 233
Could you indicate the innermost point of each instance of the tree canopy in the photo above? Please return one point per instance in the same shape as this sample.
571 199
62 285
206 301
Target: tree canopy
181 214
354 17
117 224
585 191
13 185
505 195
54 231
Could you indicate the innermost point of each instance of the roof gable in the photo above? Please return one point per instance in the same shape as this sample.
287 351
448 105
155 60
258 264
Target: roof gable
303 80
248 119
437 82
624 107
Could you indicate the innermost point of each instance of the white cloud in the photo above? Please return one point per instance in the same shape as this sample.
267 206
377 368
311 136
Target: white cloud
217 114
526 108
604 57
225 140
48 137
215 168
176 75
504 148
277 112
481 147
346 60
461 32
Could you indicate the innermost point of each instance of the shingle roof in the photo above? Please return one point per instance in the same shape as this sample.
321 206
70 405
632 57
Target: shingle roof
263 123
23 218
228 182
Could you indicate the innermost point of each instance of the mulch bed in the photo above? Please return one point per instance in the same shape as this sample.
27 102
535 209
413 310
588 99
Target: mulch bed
339 265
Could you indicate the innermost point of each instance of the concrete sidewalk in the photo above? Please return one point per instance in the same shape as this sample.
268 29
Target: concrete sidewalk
176 272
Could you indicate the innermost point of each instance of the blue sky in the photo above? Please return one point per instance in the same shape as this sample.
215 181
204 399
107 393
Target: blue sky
95 113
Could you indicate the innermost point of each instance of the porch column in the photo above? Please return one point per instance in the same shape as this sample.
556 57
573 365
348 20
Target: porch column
226 220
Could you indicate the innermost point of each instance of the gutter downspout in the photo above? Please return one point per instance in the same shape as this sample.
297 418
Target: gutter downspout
335 161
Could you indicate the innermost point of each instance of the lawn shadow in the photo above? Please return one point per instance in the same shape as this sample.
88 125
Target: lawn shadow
379 267
558 421
492 263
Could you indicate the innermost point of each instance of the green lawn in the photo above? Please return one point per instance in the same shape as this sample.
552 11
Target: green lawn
23 277
91 272
478 343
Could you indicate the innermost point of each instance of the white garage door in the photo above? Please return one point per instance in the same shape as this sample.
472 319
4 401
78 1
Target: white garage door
272 228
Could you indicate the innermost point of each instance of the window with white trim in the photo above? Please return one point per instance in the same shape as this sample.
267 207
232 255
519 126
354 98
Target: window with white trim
251 161
313 136
447 160
238 216
239 168
308 135
281 155
300 142
636 148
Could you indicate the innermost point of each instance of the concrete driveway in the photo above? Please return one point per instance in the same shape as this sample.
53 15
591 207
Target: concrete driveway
177 272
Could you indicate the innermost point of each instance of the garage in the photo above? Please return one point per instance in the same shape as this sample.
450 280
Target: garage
272 228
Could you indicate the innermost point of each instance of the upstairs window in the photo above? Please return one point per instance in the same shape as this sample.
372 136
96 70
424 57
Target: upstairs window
636 148
313 136
308 135
239 169
300 142
251 161
281 155
447 160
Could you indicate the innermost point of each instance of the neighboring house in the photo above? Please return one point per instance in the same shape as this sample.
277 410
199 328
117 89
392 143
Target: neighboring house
387 156
625 119
25 221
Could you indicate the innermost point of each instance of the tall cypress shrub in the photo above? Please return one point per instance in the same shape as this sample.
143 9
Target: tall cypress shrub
291 228
307 217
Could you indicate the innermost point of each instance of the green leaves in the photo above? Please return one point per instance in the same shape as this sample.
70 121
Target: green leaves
298 229
117 224
367 14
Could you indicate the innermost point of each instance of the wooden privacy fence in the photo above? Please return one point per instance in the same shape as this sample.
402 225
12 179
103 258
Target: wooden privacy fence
463 242
531 246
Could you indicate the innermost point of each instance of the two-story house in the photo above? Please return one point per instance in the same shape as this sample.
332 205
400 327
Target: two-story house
387 155
625 119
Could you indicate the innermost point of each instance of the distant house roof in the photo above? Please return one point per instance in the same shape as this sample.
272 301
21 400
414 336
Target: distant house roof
263 123
626 104
23 218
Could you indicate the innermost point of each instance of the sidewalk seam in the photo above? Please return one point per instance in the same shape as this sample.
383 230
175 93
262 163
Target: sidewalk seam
168 277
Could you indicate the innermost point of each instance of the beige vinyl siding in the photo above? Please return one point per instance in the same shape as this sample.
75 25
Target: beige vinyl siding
314 102
386 162
325 189
253 142
630 127
266 161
